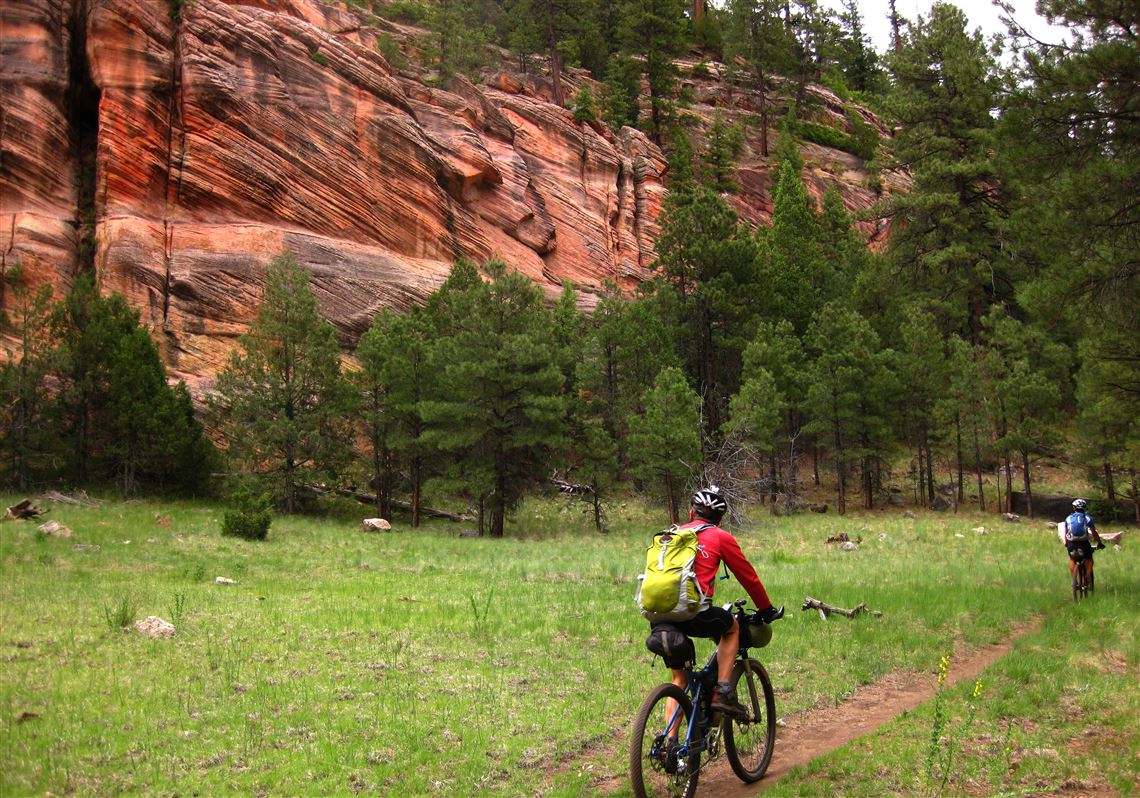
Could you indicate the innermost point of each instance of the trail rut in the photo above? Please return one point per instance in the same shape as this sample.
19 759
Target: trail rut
821 731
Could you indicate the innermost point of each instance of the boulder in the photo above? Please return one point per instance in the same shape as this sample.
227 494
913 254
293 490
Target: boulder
55 529
376 525
153 626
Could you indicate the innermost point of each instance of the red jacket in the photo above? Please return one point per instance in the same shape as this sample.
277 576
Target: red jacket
716 545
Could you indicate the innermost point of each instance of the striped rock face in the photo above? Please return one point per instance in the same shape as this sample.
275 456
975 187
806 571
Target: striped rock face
175 148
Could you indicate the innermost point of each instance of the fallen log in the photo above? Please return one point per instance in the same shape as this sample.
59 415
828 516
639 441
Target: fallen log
370 498
826 609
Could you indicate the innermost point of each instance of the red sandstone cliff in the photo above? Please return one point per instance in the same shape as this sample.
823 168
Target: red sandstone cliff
186 152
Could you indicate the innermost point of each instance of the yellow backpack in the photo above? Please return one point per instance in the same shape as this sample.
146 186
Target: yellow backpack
668 590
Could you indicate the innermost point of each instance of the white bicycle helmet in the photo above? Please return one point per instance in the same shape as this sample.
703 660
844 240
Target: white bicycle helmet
709 504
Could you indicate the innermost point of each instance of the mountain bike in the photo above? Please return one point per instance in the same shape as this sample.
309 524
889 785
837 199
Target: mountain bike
658 767
1081 570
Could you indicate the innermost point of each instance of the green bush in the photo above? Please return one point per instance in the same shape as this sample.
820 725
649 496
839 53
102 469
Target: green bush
408 11
585 109
251 518
862 144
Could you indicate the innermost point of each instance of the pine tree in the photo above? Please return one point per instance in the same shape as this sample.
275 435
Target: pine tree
499 412
664 443
848 386
27 433
156 440
1071 131
777 352
794 270
395 376
655 30
708 259
87 328
946 241
755 32
1028 371
282 401
626 348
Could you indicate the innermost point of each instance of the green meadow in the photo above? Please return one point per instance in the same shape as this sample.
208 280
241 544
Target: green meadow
411 663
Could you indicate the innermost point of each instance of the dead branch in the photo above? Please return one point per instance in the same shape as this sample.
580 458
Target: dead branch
79 498
826 609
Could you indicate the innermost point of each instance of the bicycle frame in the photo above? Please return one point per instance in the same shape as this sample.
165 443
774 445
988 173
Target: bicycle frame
698 682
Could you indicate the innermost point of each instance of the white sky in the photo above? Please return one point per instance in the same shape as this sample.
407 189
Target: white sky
981 14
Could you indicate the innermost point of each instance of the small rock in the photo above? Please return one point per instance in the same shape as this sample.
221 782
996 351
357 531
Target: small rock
376 525
959 535
1012 518
222 580
883 537
153 626
981 530
908 514
55 529
85 547
850 545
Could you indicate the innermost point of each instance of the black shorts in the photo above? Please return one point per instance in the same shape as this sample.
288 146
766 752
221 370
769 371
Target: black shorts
1084 546
711 622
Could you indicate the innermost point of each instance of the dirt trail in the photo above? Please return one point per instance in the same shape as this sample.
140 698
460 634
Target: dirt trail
821 731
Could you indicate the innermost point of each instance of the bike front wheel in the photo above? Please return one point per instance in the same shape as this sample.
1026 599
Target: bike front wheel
654 769
748 742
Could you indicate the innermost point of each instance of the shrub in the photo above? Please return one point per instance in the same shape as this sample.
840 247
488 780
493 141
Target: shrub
408 11
123 614
585 109
319 58
251 518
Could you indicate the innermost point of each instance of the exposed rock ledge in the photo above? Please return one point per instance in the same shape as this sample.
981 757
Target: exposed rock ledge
236 131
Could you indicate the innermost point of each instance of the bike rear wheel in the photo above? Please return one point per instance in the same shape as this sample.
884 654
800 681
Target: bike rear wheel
748 742
652 771
1080 580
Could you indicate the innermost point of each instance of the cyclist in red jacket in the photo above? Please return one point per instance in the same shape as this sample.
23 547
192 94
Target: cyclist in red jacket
715 546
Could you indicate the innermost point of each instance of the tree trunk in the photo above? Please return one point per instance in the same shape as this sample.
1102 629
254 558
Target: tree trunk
1109 485
555 64
1009 484
929 466
978 469
1028 489
920 476
840 476
961 492
417 496
1135 494
672 498
868 485
761 86
896 26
